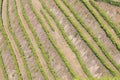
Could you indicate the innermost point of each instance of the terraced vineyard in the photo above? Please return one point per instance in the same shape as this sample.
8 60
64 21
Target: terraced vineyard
59 39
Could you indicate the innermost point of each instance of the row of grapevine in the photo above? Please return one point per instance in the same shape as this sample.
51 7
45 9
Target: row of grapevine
112 2
106 18
53 42
3 67
30 44
98 42
49 23
96 52
113 37
18 44
68 42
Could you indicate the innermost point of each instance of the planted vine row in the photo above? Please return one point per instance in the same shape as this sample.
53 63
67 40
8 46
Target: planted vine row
112 2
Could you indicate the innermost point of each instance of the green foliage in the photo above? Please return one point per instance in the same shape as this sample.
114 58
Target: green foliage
3 67
112 2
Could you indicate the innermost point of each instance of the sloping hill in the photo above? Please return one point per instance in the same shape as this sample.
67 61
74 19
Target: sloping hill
59 39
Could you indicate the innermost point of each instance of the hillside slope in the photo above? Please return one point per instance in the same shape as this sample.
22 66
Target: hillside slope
59 39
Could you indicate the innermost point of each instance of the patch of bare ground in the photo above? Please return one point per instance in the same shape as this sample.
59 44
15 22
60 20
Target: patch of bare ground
90 60
112 11
13 44
96 29
30 60
7 61
38 52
